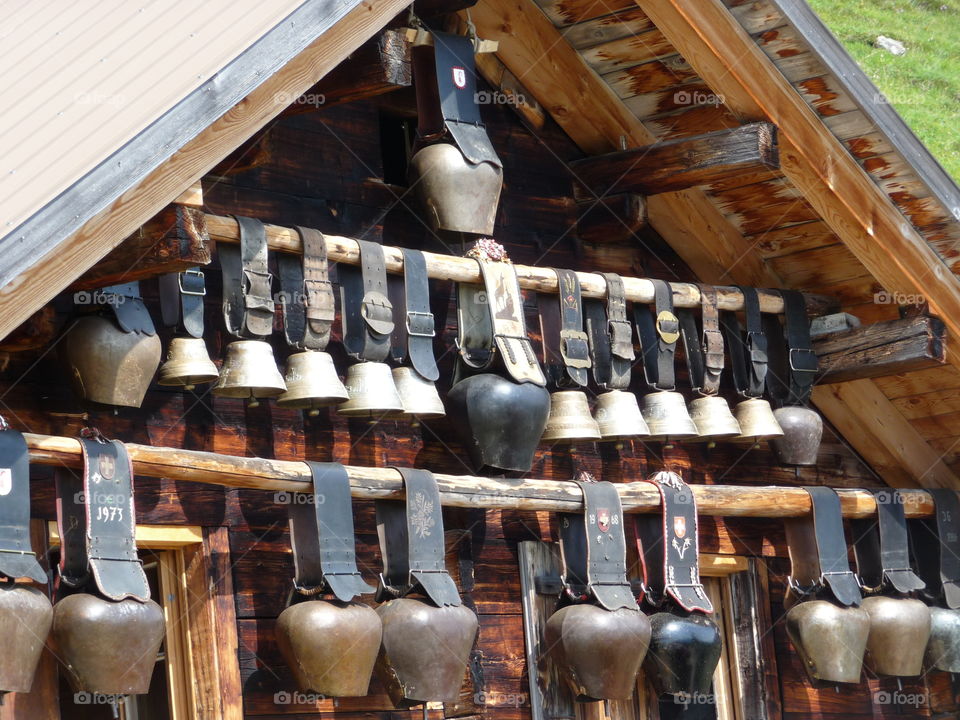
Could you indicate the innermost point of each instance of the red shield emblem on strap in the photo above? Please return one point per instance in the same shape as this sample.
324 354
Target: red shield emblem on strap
6 481
108 467
603 519
460 77
680 526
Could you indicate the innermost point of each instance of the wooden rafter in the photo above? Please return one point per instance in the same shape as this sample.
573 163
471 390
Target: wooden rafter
597 120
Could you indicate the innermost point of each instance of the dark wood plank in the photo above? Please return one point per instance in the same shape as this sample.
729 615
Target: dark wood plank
612 220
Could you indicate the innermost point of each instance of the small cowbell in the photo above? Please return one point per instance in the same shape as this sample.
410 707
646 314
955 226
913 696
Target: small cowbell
108 365
312 382
899 632
712 416
456 194
425 650
684 652
331 646
618 416
802 430
25 618
666 415
107 647
187 364
372 392
757 421
570 418
500 421
943 649
418 395
830 639
249 372
598 651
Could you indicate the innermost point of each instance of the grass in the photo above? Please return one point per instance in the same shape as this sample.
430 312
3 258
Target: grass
924 84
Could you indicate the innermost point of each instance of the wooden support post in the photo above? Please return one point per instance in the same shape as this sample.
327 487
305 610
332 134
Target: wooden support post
682 163
613 219
174 240
884 348
467 491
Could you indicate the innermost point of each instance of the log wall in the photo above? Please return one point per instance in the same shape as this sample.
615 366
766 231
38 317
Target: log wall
325 169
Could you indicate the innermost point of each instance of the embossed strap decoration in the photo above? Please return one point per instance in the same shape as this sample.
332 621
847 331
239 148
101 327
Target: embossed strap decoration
307 301
17 558
594 548
936 548
565 345
367 313
412 542
248 305
883 558
669 547
322 536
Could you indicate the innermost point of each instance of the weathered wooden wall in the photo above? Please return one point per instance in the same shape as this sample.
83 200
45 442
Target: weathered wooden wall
324 169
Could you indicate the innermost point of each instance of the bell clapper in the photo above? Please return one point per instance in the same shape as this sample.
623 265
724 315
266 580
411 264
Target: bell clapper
115 709
425 713
313 412
711 445
188 387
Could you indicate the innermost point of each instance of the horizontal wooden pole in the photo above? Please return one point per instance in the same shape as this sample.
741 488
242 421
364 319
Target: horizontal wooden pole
539 279
682 163
285 476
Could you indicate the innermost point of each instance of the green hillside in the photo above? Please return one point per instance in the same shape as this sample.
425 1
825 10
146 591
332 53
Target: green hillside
924 84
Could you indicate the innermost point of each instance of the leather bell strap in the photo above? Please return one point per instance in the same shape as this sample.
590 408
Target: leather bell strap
711 340
490 322
412 542
414 336
881 550
181 300
658 333
936 548
306 296
566 348
17 558
801 363
594 548
748 353
128 307
248 305
611 338
457 85
818 550
669 547
322 536
367 313
97 526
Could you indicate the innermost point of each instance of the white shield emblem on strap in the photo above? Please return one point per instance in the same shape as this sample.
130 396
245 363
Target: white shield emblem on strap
6 481
460 77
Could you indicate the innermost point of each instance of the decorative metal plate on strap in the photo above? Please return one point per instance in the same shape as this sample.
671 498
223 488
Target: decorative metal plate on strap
367 313
669 547
412 542
883 558
17 558
936 548
658 332
594 548
322 536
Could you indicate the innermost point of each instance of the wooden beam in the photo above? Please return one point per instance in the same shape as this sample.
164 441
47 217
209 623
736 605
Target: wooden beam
173 240
884 348
53 270
615 219
380 65
378 483
682 163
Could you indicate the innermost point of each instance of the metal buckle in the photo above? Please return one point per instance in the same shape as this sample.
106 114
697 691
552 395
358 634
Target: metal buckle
575 339
804 360
377 312
191 273
713 350
665 321
757 344
428 317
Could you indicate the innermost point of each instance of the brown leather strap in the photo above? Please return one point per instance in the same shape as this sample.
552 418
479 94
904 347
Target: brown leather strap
317 289
712 340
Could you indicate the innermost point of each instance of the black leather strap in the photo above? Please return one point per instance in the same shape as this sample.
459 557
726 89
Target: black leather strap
128 307
669 548
594 548
74 568
181 301
692 348
322 536
565 344
818 551
306 296
414 336
412 542
658 334
248 305
803 362
883 557
935 543
367 313
17 558
711 340
110 521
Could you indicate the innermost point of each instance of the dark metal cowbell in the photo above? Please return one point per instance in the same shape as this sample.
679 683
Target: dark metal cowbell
426 642
684 652
331 645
